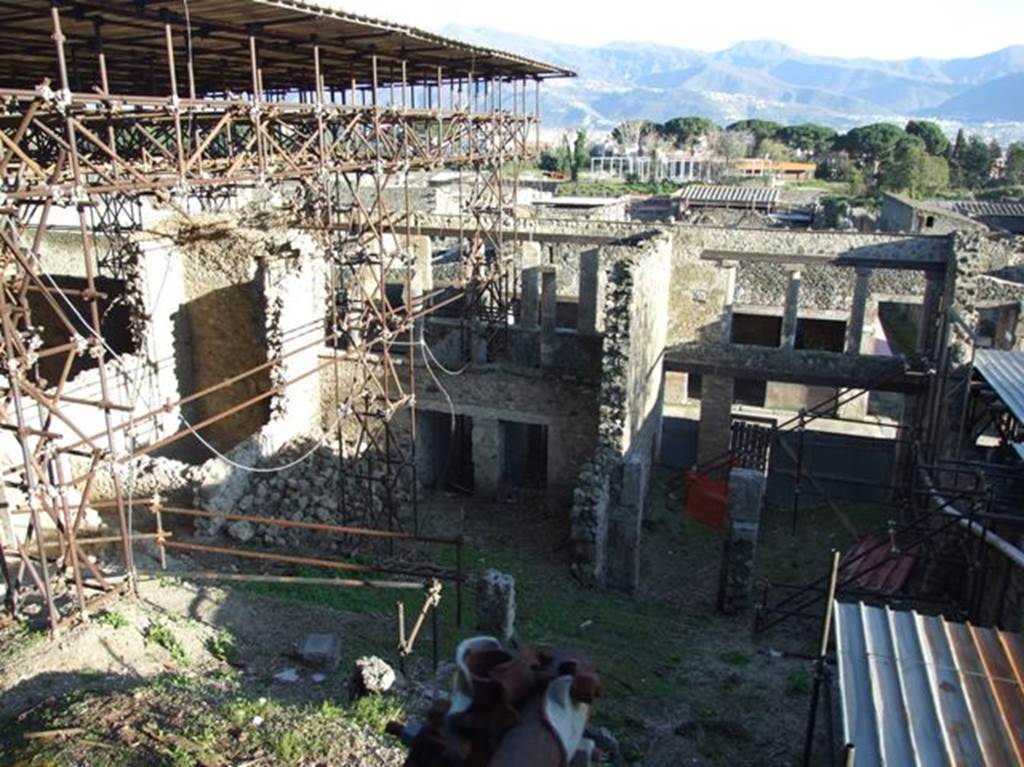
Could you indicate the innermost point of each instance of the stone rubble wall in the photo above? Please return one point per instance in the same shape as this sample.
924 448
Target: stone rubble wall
609 496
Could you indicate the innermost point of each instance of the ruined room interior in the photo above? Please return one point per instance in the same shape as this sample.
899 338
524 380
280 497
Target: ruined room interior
249 343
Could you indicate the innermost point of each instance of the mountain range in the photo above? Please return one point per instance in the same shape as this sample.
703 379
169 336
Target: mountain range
769 80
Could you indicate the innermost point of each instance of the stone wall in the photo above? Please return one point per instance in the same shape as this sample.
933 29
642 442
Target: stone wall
611 490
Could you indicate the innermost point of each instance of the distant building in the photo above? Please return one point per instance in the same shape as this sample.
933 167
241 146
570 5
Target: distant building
902 214
784 171
603 208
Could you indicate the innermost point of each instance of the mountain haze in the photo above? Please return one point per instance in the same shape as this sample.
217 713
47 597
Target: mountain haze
770 80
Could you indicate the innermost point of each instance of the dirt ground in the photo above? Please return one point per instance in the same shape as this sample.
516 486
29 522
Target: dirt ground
185 674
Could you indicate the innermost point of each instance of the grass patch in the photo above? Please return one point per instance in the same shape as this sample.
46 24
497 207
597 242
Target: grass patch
113 619
373 712
162 635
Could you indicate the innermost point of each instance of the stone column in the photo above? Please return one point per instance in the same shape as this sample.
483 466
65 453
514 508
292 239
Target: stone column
746 498
715 431
487 456
548 310
529 304
593 282
792 310
624 526
855 327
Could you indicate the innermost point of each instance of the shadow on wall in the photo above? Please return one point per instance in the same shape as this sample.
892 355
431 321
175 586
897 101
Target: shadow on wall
217 336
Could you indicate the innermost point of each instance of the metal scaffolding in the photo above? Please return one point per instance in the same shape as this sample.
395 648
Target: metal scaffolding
104 105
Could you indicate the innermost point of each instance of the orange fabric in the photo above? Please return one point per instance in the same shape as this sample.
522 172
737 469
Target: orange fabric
707 499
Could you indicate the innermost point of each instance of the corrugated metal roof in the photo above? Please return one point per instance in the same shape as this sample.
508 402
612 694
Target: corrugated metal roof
1004 371
730 195
921 690
985 208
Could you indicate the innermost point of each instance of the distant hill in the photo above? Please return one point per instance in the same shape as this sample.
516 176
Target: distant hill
770 80
999 99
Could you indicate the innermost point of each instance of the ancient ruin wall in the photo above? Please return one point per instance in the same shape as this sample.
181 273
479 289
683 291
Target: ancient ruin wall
611 489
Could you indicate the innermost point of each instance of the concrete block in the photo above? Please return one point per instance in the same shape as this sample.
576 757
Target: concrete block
319 650
496 605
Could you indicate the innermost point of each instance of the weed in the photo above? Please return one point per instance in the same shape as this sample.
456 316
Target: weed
113 619
159 633
798 684
290 747
224 646
374 712
242 712
182 757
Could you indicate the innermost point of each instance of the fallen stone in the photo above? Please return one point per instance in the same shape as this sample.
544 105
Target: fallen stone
288 676
496 605
241 531
371 676
319 651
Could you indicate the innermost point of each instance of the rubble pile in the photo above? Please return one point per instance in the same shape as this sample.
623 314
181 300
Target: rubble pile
320 489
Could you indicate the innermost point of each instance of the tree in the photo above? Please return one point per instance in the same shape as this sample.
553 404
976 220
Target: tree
975 163
730 145
580 154
931 134
913 170
872 145
549 161
761 129
934 175
686 131
1015 163
774 150
630 134
809 139
903 170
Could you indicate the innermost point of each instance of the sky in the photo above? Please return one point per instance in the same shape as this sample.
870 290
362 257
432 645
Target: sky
891 29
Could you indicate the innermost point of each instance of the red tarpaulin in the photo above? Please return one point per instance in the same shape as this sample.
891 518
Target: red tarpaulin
707 499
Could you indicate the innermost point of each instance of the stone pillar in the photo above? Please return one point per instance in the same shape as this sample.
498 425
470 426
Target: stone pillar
792 310
746 498
422 281
487 456
496 605
730 269
715 431
933 289
593 282
548 310
624 526
855 327
860 334
529 254
529 305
